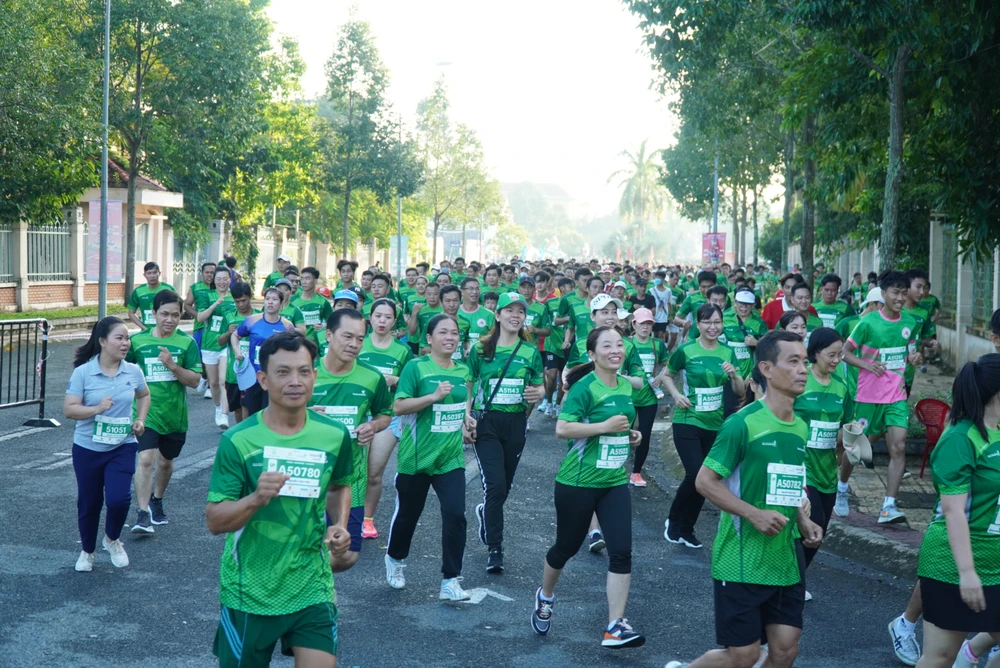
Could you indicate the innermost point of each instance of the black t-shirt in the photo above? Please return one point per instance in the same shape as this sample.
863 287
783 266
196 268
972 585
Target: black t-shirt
646 302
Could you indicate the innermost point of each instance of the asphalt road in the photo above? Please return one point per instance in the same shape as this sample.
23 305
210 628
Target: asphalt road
163 609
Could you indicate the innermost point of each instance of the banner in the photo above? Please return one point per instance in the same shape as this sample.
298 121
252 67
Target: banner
115 238
713 248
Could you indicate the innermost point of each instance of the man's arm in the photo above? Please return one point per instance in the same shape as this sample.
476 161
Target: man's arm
230 516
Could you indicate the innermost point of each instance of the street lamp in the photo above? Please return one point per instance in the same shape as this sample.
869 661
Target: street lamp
102 288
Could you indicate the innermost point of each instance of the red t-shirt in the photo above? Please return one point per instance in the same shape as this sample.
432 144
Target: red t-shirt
774 310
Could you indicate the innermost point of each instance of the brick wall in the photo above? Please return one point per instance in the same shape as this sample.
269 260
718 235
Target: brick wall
40 294
115 292
8 299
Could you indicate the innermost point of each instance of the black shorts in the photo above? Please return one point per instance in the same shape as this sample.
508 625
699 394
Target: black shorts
743 611
945 609
553 361
169 445
233 397
660 326
254 399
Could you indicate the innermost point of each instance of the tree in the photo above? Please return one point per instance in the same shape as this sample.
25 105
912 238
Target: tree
48 121
442 188
510 240
643 197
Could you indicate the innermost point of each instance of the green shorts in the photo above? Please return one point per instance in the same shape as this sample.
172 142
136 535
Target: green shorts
245 640
876 418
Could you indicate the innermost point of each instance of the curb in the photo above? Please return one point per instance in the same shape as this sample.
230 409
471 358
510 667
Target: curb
892 549
75 333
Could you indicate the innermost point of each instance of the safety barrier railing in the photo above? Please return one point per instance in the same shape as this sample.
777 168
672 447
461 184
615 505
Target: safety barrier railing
23 355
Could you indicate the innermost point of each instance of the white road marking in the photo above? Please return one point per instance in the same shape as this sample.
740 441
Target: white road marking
32 464
190 465
23 431
479 594
58 465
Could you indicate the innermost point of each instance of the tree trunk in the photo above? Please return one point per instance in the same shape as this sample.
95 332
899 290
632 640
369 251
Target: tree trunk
347 212
743 228
133 175
464 224
434 239
736 225
756 234
894 170
786 213
808 206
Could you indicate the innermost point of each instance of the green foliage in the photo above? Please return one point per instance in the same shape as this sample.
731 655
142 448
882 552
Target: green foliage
509 241
59 313
643 200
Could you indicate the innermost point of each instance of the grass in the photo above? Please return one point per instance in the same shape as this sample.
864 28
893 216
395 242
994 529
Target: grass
52 314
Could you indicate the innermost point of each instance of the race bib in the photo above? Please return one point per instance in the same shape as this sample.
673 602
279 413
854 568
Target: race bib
457 355
823 435
386 371
245 347
215 324
829 319
648 361
111 431
893 358
511 391
148 318
528 319
784 485
707 399
613 452
157 372
447 418
305 468
740 349
312 317
474 336
346 415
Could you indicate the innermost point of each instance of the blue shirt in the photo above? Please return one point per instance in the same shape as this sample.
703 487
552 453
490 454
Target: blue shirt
258 332
113 427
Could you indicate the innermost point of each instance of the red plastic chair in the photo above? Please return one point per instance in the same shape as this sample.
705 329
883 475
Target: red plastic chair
932 414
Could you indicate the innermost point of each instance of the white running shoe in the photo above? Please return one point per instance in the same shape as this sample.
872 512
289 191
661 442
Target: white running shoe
962 661
394 572
202 386
809 596
891 515
543 406
208 394
762 658
905 645
118 557
85 563
840 507
451 590
221 419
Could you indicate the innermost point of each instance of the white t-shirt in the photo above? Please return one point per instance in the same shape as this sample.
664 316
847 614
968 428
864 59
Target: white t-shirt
663 299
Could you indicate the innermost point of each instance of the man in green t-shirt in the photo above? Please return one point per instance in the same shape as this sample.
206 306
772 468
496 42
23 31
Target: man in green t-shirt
686 312
199 296
553 351
537 321
274 478
290 311
140 303
357 396
171 362
283 263
408 286
925 333
315 308
421 313
755 473
241 294
477 317
742 328
829 308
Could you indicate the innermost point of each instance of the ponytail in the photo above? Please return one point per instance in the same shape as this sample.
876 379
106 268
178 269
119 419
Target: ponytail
975 386
102 330
578 372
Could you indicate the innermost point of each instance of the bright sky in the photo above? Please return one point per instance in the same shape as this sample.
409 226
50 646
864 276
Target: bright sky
555 89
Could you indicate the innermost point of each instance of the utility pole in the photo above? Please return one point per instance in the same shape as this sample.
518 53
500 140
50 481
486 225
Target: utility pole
102 288
715 191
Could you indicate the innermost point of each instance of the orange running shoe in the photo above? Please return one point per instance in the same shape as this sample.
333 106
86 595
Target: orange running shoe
637 480
368 529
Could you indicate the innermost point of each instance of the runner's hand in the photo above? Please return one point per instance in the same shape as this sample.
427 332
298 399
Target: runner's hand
416 308
138 427
165 357
443 390
971 589
876 368
533 394
768 522
319 327
268 485
392 381
231 330
105 404
337 539
812 533
634 438
365 434
916 359
750 341
616 424
682 402
728 369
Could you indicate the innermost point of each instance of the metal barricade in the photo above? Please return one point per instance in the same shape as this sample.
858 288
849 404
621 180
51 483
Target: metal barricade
23 354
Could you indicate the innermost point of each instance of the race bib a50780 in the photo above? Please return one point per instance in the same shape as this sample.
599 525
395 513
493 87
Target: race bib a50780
304 468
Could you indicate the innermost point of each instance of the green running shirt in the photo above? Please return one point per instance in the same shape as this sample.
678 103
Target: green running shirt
925 329
431 439
234 318
315 311
203 296
168 410
141 301
598 461
762 461
703 382
214 324
650 353
479 321
875 337
734 336
278 563
824 408
524 371
964 463
351 399
387 361
832 314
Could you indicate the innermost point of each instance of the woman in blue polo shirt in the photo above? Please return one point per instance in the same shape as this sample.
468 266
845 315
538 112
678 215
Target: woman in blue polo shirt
99 397
258 327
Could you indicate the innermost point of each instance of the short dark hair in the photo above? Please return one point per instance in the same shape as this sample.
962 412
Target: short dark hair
367 272
915 273
433 284
312 271
149 266
707 276
425 265
437 320
208 264
581 272
240 289
565 280
459 259
718 290
469 280
231 262
495 296
831 278
786 319
767 347
290 341
448 289
542 276
706 311
382 277
291 269
891 278
492 267
166 297
335 318
801 285
819 339
347 263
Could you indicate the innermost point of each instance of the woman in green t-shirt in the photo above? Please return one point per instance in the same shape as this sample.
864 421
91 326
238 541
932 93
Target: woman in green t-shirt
431 398
794 322
596 420
959 564
389 356
212 352
502 405
708 366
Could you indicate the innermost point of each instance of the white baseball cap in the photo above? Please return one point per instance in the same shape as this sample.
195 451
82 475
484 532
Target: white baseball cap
874 295
746 297
603 299
285 258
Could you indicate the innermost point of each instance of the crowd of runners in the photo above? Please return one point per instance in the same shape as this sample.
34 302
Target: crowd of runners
777 384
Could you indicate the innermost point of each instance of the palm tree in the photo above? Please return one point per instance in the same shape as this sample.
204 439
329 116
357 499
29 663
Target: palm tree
643 196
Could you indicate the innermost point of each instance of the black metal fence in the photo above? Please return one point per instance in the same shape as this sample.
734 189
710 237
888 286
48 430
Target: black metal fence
23 354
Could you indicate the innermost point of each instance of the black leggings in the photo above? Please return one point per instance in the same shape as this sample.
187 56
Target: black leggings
821 509
499 443
411 494
575 506
646 415
693 444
